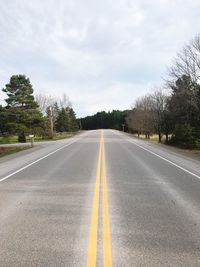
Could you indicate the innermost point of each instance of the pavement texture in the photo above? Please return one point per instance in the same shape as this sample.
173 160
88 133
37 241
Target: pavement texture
146 210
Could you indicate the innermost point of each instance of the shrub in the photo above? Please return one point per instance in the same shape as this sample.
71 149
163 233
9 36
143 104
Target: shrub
183 136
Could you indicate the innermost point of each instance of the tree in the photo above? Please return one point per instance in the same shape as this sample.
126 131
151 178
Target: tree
62 122
150 115
72 120
159 107
44 102
105 120
144 112
187 62
184 103
3 120
23 113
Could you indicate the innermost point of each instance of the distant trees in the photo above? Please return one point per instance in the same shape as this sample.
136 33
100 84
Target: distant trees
177 112
24 114
104 120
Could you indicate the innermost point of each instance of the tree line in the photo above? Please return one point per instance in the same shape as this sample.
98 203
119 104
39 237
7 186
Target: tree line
104 120
42 115
174 109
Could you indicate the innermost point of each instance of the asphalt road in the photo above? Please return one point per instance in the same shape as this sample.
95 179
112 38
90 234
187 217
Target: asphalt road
101 199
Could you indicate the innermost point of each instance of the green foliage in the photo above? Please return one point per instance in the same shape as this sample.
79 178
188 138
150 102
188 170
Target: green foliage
8 139
73 124
22 112
184 101
3 120
104 120
62 121
183 136
20 93
66 120
184 108
22 137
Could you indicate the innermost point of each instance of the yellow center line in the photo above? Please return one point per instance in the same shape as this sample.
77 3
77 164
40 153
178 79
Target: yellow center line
92 250
107 253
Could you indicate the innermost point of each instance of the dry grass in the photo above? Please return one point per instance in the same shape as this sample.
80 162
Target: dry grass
4 151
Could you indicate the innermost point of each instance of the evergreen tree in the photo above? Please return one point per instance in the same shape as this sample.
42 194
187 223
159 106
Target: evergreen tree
184 101
3 120
62 121
105 120
23 114
73 120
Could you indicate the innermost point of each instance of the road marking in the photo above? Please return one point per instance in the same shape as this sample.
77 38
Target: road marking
92 249
167 160
36 161
107 253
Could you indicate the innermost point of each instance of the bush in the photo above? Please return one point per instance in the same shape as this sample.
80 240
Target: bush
22 137
183 136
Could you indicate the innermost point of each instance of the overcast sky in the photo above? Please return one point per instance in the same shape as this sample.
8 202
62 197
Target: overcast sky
103 54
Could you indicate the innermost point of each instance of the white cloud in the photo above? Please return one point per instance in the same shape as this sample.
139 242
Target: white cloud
103 54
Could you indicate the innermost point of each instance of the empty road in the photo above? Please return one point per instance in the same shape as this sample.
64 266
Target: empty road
101 198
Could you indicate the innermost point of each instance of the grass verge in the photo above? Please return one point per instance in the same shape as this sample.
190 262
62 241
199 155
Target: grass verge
5 151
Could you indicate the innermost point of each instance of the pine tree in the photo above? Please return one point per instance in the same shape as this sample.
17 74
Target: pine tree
62 121
23 114
73 120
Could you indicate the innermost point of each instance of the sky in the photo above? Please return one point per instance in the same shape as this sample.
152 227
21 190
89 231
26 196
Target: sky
103 54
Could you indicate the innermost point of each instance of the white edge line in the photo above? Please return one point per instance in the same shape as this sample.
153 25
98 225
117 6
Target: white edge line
32 163
169 161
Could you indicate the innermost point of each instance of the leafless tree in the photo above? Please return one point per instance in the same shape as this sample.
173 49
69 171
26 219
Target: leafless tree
45 101
50 105
64 101
148 113
187 62
159 104
141 116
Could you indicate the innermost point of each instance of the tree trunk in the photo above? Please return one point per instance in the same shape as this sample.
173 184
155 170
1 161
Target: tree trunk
159 137
167 138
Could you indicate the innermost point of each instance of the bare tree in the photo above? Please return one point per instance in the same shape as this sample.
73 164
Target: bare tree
148 114
159 105
45 101
140 118
64 101
51 106
187 62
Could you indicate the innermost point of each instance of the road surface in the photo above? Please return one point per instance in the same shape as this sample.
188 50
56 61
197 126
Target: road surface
101 199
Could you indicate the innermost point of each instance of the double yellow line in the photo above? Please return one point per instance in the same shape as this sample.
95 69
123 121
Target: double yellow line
92 249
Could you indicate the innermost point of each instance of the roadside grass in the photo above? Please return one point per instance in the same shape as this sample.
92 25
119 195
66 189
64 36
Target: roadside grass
5 151
153 137
14 139
8 140
57 136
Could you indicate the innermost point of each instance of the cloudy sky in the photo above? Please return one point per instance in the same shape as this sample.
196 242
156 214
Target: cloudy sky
103 54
